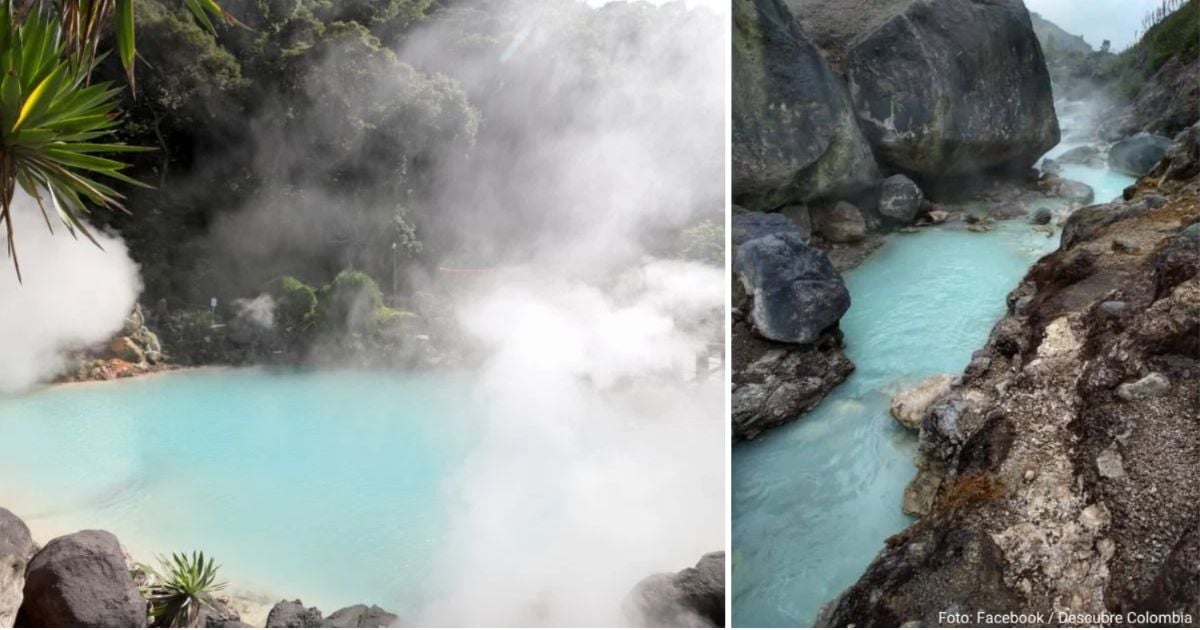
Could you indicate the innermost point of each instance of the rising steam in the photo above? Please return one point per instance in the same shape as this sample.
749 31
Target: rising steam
74 295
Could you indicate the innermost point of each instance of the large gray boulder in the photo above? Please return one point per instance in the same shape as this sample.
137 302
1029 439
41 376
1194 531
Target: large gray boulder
694 597
361 616
949 87
81 581
794 134
796 292
900 199
293 614
751 225
16 548
1137 154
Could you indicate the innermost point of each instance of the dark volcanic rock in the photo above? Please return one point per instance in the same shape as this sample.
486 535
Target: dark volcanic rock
794 134
361 616
694 597
80 580
796 292
918 94
946 568
219 615
1137 154
293 614
840 223
774 383
752 225
16 548
900 199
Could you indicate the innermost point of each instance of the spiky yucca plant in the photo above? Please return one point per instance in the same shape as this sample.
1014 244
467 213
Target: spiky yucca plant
53 123
180 588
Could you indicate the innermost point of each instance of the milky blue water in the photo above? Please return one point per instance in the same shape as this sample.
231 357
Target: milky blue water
814 500
323 486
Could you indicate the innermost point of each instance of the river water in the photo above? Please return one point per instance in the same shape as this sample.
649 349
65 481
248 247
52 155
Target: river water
814 500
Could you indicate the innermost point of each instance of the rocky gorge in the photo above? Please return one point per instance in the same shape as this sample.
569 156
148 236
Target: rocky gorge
1056 474
823 138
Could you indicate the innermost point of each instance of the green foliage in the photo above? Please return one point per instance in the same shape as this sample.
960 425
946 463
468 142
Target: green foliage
180 588
704 242
1176 34
349 304
50 125
295 302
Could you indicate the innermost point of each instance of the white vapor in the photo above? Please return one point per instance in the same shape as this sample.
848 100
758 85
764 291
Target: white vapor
74 295
598 461
598 464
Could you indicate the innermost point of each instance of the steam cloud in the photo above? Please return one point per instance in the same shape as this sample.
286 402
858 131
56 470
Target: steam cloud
598 465
74 295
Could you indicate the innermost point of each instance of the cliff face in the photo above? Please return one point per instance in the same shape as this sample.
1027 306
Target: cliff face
1062 473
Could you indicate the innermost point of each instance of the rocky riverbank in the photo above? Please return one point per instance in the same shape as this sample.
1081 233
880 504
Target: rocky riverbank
827 161
1060 472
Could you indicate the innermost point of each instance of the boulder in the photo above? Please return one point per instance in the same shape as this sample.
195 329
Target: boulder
220 615
900 199
1086 154
81 580
126 349
1041 216
293 614
909 407
1137 154
775 383
361 616
842 223
1181 161
1075 191
796 292
916 78
794 137
1149 386
16 548
751 225
694 597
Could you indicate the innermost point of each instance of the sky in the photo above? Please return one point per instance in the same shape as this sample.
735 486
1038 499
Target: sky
1096 20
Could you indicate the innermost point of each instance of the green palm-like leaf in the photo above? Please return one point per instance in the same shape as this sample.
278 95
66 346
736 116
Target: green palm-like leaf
52 125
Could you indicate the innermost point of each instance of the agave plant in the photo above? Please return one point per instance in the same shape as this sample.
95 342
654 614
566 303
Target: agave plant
53 122
180 589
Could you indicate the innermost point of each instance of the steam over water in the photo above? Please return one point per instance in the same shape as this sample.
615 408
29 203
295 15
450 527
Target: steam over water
571 458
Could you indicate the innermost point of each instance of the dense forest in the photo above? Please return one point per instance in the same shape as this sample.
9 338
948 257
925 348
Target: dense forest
372 141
